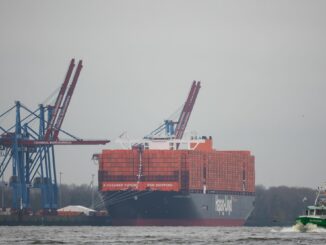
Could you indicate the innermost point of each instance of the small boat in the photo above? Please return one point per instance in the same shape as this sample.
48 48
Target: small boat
315 214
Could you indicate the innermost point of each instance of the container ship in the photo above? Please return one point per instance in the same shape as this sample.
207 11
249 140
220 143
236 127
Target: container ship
172 180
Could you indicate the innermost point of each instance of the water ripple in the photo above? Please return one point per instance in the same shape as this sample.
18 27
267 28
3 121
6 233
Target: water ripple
159 235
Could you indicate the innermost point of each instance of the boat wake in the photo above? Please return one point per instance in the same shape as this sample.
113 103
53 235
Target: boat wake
309 228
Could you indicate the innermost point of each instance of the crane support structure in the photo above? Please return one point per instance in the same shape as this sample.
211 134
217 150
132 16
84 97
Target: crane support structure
30 148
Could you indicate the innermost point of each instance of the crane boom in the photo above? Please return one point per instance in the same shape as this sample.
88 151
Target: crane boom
66 102
59 100
33 142
186 111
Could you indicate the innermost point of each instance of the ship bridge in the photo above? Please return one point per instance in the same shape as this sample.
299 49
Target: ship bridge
196 143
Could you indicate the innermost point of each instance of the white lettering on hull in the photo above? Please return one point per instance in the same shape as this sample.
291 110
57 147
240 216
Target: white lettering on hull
223 206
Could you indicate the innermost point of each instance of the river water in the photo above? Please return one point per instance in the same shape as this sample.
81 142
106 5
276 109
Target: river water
160 235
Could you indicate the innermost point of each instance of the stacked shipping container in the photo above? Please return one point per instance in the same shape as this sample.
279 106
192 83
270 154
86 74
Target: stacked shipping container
175 170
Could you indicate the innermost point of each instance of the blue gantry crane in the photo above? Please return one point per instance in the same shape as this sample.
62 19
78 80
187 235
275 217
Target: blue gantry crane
29 146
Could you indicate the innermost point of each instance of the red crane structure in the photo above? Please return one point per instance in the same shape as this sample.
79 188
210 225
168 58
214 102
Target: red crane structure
59 100
186 111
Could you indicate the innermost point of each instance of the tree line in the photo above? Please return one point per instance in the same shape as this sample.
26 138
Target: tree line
274 206
279 206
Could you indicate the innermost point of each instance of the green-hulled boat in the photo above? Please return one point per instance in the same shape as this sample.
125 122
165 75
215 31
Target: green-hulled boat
315 214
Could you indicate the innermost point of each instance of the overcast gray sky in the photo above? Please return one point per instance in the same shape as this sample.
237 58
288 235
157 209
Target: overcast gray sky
262 65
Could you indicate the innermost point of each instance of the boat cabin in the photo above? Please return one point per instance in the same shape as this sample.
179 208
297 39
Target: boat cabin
316 211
